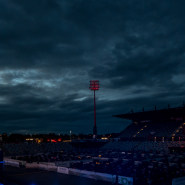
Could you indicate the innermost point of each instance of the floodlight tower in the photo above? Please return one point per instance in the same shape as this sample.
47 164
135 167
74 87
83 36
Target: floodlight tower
94 86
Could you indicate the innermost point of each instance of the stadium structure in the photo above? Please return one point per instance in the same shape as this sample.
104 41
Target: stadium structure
152 131
156 125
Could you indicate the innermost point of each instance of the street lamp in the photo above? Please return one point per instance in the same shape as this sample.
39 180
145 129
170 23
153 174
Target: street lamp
94 86
70 134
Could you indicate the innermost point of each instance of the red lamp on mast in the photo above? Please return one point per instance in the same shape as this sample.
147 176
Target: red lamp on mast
94 86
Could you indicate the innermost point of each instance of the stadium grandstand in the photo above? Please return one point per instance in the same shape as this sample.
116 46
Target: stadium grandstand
156 125
160 130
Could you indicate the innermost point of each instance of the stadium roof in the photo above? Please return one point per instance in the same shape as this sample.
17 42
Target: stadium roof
170 113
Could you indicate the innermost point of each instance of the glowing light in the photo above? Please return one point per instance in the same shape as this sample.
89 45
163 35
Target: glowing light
53 141
29 139
38 140
94 85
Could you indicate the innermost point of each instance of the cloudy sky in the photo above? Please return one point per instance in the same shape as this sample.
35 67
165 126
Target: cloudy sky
50 49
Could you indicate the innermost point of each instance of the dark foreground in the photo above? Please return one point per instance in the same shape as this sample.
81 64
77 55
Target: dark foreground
22 176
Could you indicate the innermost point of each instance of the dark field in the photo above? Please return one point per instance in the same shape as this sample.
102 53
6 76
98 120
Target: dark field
22 176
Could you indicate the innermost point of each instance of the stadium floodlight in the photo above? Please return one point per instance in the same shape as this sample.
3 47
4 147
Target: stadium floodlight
94 86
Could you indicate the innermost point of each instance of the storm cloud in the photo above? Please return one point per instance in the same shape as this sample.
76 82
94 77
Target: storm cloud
49 50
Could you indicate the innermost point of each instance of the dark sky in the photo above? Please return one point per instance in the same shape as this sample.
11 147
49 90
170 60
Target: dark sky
50 49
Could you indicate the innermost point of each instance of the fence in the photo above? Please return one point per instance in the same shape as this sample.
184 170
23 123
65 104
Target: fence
64 170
